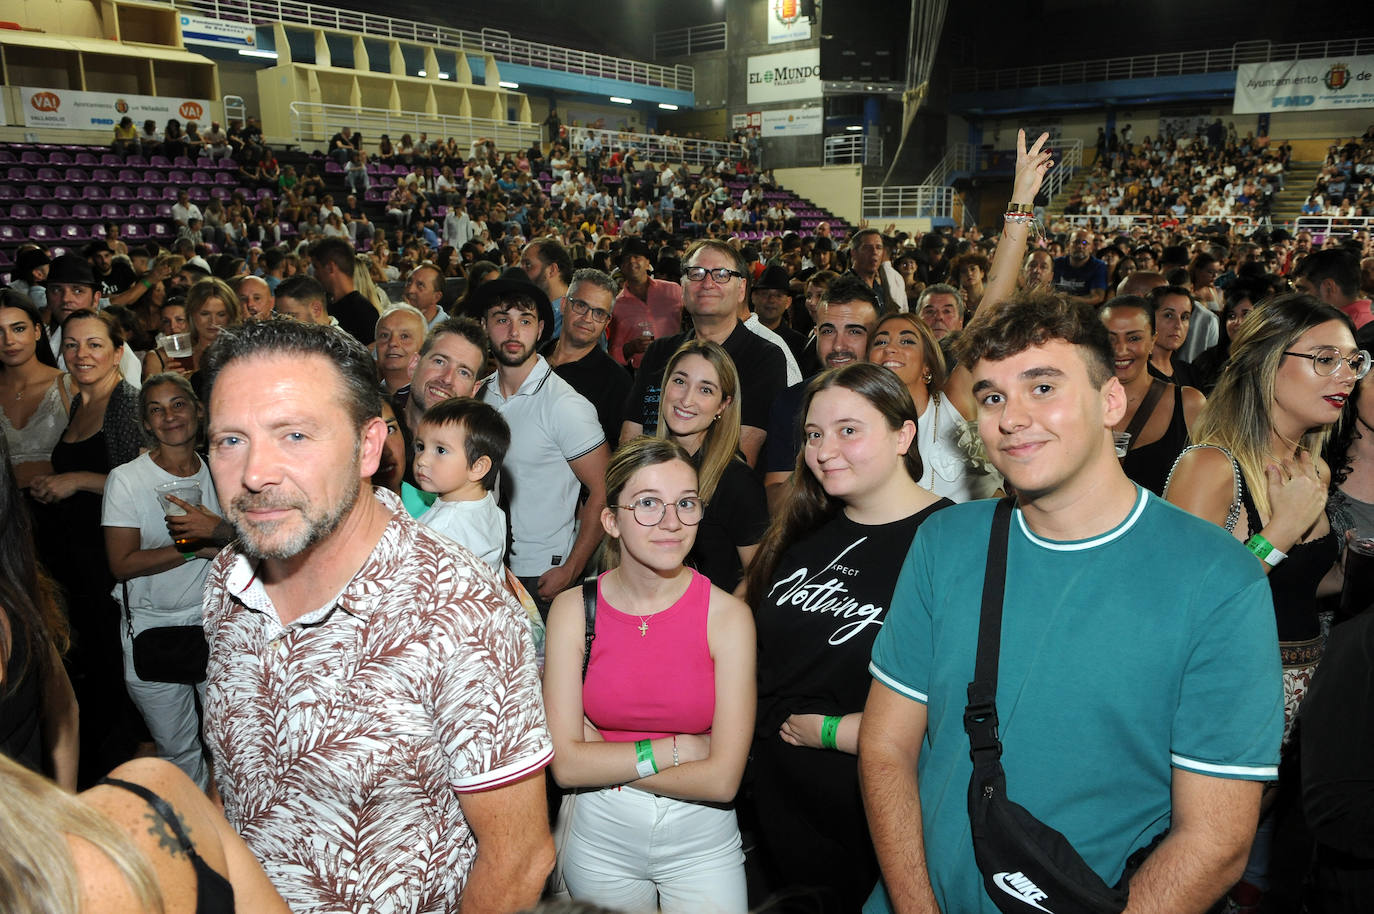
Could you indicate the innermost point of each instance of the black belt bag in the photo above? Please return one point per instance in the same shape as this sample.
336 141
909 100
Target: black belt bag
1026 865
170 653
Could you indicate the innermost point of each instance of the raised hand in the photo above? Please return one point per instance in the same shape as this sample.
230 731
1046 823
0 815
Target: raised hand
1031 167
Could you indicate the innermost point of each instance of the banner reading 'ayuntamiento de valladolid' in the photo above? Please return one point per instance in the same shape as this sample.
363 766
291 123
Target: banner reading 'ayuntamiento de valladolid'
1305 85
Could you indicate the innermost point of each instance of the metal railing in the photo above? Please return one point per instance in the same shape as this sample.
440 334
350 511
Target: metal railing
498 43
929 201
959 157
655 147
1070 161
971 79
1124 222
695 39
1323 227
235 109
312 122
853 149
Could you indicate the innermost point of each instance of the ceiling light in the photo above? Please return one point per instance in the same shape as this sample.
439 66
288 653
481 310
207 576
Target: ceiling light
508 85
667 107
255 52
853 127
621 101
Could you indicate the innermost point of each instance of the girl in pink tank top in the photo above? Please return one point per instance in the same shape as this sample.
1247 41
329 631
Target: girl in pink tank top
654 736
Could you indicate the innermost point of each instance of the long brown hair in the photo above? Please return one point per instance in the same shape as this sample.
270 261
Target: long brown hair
634 455
808 506
721 442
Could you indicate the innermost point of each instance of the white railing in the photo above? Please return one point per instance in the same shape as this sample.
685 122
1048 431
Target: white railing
235 109
970 79
853 149
695 39
656 147
1124 222
959 157
931 201
1323 226
312 122
1070 160
488 41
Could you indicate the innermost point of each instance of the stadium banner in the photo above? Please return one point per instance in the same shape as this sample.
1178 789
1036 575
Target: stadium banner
786 22
216 32
1306 85
793 122
784 77
73 110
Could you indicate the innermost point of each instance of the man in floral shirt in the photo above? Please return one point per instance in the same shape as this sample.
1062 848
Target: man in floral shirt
372 702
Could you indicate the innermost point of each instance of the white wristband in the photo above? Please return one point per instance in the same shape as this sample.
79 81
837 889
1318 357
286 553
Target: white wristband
1274 557
645 768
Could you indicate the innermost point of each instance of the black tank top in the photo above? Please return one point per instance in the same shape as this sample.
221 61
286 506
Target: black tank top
1150 464
1293 582
214 894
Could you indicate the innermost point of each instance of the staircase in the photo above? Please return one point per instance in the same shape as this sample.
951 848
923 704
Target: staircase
1298 180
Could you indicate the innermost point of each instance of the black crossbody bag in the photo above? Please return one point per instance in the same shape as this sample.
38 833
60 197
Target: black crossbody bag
1026 864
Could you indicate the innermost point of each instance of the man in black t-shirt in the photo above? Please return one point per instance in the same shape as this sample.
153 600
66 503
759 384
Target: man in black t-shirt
111 277
575 356
714 286
334 263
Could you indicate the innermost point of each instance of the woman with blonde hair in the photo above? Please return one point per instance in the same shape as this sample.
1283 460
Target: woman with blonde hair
367 288
951 454
144 840
1256 469
651 709
700 410
210 307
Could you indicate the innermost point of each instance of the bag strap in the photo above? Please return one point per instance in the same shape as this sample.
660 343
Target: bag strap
1232 512
589 617
980 715
1145 410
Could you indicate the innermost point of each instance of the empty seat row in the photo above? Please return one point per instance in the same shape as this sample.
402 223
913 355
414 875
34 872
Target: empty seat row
199 193
89 159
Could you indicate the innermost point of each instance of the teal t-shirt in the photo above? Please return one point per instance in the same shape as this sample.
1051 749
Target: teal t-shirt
1148 648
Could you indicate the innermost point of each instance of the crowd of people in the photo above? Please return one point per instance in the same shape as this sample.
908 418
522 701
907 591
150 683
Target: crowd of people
1345 185
683 539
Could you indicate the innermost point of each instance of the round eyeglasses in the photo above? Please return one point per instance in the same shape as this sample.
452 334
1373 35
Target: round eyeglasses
1328 360
650 511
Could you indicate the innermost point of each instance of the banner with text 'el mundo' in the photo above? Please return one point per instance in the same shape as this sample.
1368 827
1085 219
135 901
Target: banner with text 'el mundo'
1320 84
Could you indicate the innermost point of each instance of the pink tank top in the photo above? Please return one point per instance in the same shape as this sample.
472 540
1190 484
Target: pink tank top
652 676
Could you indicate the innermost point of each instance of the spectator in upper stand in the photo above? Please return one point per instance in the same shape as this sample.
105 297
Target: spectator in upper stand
547 264
334 261
1333 276
1080 275
184 210
125 137
458 225
646 308
424 292
149 140
342 146
866 252
216 142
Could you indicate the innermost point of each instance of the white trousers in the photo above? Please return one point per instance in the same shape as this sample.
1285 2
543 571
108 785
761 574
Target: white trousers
637 852
169 708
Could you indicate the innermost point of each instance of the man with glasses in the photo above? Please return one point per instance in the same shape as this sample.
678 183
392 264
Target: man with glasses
714 288
575 356
1080 275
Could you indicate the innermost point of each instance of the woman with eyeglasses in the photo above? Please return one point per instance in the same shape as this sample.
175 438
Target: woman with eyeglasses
820 586
699 410
1256 469
651 711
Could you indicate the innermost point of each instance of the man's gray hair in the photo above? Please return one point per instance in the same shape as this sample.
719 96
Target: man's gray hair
597 278
940 288
284 336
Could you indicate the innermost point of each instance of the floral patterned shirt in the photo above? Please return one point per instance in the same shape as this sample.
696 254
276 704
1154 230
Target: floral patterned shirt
343 740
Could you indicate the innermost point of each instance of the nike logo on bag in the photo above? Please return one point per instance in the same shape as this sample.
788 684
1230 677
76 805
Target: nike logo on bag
1022 889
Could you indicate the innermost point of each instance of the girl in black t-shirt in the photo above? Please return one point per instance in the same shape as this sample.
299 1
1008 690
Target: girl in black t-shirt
820 585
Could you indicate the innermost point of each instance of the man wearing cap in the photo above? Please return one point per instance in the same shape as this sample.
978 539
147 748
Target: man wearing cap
557 443
71 287
646 308
111 278
772 296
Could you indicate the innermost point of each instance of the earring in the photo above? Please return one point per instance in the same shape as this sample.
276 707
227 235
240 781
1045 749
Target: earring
926 378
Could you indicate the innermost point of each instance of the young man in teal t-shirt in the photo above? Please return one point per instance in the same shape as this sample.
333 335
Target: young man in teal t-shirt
1138 688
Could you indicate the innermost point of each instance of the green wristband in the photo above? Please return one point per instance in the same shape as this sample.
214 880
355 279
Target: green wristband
188 556
830 728
644 759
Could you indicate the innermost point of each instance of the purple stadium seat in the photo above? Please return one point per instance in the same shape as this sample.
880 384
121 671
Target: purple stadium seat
161 232
9 234
17 173
111 212
159 162
59 158
154 176
163 210
54 212
84 212
94 192
183 162
110 159
129 176
7 157
136 161
221 193
43 233
264 192
198 195
66 192
177 176
38 192
132 231
204 162
85 159
120 192
103 176
140 211
287 229
32 157
333 168
22 212
170 192
76 175
375 195
8 192
228 164
74 234
226 178
202 177
47 176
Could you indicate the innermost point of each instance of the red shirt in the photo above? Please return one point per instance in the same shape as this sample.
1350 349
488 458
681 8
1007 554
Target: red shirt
1359 311
661 315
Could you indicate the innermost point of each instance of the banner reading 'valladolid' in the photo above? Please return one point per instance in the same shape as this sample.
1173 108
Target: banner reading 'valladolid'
1305 85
